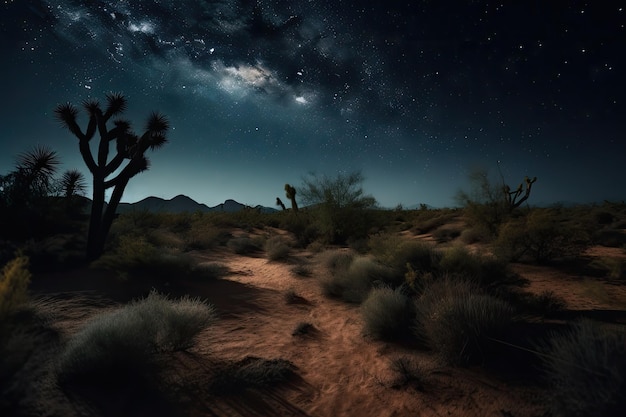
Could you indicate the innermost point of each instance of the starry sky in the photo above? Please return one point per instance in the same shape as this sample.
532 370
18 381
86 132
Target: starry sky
415 94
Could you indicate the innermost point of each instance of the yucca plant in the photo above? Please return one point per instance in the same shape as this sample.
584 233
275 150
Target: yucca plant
129 158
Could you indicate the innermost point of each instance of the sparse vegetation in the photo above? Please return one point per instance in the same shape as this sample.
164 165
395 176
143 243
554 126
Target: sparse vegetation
586 369
303 328
123 343
242 245
387 314
352 281
14 280
456 320
276 248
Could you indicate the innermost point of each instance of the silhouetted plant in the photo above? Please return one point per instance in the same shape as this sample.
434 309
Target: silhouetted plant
290 192
73 183
128 147
341 205
24 193
280 203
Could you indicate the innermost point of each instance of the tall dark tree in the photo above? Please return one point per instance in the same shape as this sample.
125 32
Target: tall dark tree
129 158
290 192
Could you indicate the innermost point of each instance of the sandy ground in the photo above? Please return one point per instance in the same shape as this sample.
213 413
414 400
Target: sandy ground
340 371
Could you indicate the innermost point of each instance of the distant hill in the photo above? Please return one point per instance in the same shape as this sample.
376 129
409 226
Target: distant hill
182 203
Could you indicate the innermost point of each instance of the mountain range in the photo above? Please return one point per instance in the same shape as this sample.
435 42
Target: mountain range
182 203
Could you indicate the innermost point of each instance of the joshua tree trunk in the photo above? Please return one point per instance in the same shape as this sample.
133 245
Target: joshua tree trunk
290 192
129 147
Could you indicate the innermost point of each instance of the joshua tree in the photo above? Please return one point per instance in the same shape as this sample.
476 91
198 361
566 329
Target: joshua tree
279 202
290 192
512 196
128 147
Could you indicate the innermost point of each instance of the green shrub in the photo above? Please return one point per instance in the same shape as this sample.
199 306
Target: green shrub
135 257
276 248
485 271
14 280
586 369
456 320
352 283
123 343
387 313
540 236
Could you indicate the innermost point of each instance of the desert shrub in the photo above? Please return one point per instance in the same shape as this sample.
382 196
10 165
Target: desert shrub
352 283
408 371
301 270
609 238
475 234
54 252
485 271
14 280
446 234
135 257
387 313
539 237
242 245
337 260
342 209
586 368
420 256
122 343
252 372
202 236
456 320
276 248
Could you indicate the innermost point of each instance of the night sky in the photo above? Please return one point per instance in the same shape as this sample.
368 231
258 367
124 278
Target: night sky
415 94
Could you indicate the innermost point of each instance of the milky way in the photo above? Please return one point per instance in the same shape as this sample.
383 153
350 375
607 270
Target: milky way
261 92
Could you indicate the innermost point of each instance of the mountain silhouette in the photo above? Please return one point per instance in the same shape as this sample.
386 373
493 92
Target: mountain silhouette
183 204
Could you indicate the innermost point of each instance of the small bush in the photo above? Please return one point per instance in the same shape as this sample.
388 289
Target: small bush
301 270
276 248
387 314
487 272
408 372
242 245
122 343
586 368
446 234
352 283
456 320
135 257
14 280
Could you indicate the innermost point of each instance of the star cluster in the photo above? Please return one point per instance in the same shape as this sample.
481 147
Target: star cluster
412 93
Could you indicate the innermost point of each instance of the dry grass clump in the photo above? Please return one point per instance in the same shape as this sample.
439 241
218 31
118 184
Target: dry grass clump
408 372
387 314
586 369
276 248
456 320
352 281
14 280
123 343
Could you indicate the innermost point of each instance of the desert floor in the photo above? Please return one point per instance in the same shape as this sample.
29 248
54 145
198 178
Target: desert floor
339 371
